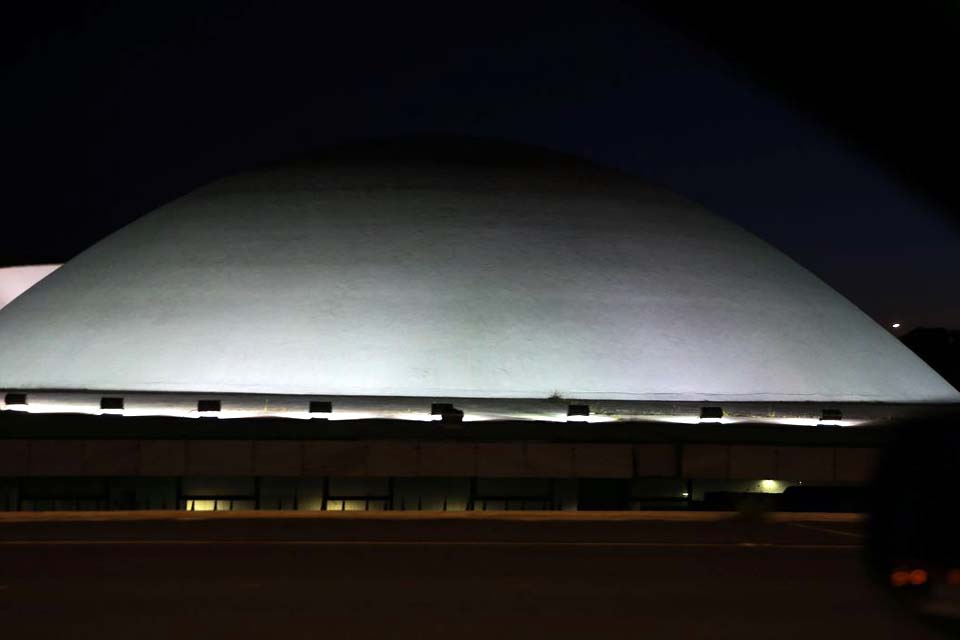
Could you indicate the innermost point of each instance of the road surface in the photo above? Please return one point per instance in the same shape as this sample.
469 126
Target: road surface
351 576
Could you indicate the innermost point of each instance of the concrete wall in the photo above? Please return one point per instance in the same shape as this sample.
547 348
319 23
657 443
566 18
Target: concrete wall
806 464
402 459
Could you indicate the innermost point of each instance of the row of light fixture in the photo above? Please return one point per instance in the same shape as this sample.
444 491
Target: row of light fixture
446 412
116 403
710 414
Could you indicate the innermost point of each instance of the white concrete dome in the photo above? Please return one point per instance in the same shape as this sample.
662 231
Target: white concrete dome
449 276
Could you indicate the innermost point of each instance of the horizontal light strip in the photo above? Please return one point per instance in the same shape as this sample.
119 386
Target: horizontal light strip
184 406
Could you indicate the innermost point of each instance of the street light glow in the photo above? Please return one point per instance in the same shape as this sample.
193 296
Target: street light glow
769 486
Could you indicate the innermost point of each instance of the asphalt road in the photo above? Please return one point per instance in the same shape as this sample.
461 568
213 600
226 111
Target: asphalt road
402 576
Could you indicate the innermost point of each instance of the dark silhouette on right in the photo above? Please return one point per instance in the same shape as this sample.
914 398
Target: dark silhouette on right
939 348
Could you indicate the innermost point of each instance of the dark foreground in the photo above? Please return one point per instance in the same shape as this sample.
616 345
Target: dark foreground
341 576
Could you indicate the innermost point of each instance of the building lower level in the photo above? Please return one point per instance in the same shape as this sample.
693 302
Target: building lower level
66 462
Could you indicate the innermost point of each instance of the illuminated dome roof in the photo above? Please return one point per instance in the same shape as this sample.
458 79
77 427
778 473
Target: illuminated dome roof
449 275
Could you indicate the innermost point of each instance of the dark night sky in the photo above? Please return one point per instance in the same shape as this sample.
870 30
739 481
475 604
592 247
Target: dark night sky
821 132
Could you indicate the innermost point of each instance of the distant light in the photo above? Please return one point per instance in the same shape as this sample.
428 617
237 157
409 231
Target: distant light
769 485
686 494
900 578
201 505
895 325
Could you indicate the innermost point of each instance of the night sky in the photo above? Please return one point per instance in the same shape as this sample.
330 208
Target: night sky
821 132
